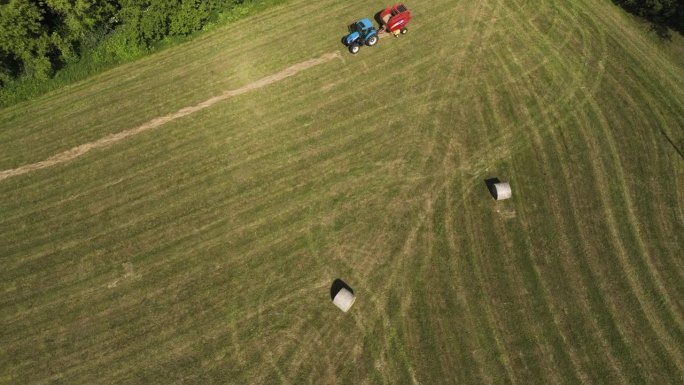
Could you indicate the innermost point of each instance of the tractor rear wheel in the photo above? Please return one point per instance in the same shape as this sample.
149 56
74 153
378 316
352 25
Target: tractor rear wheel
404 31
373 40
354 48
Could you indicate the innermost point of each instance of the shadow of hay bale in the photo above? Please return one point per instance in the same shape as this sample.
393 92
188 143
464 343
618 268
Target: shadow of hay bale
338 285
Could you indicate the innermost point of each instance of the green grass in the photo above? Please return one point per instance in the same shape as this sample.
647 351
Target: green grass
202 251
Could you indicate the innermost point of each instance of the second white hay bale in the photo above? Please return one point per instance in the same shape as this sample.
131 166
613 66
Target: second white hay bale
501 191
344 299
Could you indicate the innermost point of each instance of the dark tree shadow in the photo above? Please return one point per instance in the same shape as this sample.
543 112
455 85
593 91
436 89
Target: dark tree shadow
662 21
338 285
673 144
10 66
490 182
662 30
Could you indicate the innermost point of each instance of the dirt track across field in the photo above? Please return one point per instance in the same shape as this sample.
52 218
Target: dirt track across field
75 152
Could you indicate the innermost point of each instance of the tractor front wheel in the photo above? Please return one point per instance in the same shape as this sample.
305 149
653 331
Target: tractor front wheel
354 48
404 31
373 40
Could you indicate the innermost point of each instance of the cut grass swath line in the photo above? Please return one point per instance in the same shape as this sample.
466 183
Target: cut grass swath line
77 151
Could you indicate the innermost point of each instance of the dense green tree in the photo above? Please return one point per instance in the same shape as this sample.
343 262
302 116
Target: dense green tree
651 8
663 13
39 36
191 16
24 42
147 21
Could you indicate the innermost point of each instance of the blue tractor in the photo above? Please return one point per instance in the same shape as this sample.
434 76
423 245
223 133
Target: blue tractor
360 33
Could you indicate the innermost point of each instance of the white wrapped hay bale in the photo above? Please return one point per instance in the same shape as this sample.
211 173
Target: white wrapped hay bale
501 191
344 299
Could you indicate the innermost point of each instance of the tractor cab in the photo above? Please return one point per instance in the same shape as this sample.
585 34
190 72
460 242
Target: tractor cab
362 27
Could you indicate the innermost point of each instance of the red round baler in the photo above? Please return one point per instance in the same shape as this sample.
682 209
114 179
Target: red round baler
395 19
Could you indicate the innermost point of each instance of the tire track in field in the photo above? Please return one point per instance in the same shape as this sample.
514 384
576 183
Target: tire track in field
558 115
648 309
491 110
284 342
653 274
304 354
573 93
637 282
617 361
574 354
78 151
586 98
565 333
486 312
540 120
502 141
471 318
512 19
516 276
498 149
367 265
474 165
425 216
656 276
378 297
537 119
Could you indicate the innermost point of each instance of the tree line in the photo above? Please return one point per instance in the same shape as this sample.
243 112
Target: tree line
664 14
38 37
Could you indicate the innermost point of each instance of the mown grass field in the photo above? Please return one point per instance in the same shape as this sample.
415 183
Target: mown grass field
202 251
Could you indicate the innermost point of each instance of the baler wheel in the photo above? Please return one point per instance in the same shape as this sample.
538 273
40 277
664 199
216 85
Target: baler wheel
404 31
